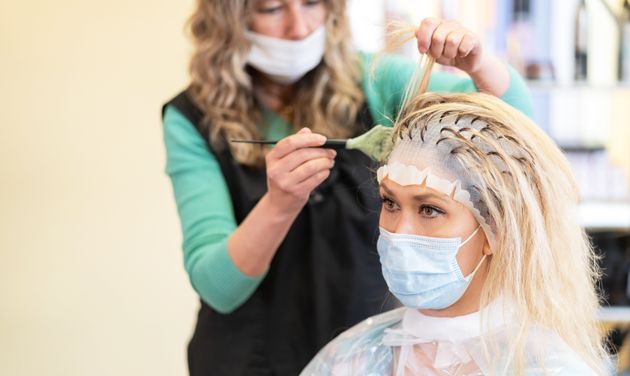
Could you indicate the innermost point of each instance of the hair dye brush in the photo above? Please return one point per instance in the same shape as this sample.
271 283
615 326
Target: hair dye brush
375 143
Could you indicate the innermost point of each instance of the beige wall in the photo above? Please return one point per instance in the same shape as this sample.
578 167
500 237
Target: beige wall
91 276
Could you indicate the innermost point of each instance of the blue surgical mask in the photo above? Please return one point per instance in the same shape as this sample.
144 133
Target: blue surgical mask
421 271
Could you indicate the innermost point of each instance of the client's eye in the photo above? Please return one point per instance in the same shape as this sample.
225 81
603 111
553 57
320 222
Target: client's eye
388 203
271 10
270 7
430 211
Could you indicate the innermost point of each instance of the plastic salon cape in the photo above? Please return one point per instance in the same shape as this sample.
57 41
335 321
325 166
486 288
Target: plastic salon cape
406 342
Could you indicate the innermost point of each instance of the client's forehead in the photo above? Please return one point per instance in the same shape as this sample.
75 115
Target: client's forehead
418 192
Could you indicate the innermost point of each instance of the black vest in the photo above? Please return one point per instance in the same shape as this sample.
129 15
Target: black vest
324 278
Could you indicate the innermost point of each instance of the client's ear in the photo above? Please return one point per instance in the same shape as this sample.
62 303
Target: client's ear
486 249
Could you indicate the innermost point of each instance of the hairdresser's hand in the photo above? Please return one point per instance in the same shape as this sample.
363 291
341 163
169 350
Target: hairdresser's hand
450 44
295 166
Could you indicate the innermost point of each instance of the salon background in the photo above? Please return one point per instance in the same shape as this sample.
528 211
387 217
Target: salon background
91 274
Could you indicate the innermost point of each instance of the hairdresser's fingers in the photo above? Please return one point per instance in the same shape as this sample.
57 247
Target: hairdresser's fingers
424 33
287 190
439 37
307 186
293 160
452 43
470 44
306 171
473 58
304 138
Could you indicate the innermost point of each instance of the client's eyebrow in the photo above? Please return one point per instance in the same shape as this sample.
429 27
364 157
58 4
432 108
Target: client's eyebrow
387 190
419 197
424 196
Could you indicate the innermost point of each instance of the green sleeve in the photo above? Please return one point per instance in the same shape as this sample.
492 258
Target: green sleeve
207 219
518 94
386 77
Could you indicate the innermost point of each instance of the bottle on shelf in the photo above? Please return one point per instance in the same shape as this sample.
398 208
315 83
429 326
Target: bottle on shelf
581 41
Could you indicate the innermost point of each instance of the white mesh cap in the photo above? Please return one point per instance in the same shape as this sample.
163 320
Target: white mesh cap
427 155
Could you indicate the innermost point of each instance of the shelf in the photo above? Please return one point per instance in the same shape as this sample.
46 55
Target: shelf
581 148
604 216
615 314
576 86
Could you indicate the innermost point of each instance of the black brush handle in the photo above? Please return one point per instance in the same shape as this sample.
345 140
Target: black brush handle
335 143
331 143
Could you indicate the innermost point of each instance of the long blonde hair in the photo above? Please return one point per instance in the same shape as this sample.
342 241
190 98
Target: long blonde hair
543 263
327 99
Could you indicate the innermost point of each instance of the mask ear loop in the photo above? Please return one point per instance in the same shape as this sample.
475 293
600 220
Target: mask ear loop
471 236
472 274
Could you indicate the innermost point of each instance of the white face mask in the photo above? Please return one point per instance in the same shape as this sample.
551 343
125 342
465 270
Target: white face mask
286 61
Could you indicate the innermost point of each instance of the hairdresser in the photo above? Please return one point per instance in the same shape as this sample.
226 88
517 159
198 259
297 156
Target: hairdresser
280 243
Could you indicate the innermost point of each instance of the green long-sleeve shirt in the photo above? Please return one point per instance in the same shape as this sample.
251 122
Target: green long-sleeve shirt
203 199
